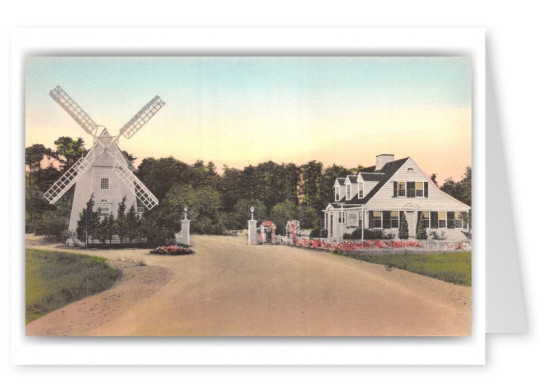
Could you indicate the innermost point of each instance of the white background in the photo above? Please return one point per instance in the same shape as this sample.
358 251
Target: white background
517 41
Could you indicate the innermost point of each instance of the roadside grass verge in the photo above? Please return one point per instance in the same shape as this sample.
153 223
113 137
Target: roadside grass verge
449 267
54 279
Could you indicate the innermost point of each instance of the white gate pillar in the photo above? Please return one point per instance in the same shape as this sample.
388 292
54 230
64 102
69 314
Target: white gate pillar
252 232
183 237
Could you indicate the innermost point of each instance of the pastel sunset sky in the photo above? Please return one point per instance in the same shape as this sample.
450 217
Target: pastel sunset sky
245 110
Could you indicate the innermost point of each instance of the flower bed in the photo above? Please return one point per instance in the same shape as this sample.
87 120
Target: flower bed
172 250
458 246
351 247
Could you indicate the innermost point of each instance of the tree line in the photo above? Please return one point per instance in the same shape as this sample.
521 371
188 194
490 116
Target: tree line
217 202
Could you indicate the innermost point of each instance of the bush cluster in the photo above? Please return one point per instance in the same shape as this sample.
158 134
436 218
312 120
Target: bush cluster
369 234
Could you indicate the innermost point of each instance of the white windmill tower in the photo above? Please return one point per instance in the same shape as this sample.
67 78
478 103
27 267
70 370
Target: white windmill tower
104 171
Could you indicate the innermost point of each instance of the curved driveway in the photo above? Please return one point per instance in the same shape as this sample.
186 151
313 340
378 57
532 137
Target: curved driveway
230 289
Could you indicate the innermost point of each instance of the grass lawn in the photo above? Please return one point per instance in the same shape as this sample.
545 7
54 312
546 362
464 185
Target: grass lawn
450 267
54 279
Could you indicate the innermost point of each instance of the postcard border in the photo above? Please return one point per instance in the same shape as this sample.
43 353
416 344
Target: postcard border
228 350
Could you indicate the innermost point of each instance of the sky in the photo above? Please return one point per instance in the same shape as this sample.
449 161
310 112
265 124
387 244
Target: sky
245 110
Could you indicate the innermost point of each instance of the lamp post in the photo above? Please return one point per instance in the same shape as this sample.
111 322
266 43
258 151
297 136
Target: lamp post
252 212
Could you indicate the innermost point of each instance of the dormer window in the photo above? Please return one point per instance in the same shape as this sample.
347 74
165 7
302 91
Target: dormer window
347 192
337 194
362 191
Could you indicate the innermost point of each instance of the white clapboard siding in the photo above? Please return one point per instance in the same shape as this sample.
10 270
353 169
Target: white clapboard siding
368 186
436 201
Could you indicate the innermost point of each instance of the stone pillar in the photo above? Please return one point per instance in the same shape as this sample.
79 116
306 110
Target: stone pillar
252 232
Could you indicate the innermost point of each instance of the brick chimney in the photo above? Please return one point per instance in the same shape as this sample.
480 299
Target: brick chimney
383 159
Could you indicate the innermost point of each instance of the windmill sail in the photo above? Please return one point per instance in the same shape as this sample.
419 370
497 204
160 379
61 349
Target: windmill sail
142 117
142 193
68 179
74 110
129 179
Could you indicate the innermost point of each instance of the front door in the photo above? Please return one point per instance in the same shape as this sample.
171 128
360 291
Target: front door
410 217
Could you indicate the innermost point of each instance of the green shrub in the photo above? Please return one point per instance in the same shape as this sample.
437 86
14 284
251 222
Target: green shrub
369 234
318 233
403 231
420 231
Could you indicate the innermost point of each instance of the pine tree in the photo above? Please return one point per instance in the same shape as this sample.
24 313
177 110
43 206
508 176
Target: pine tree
420 231
121 220
403 232
110 227
81 226
132 221
102 230
89 222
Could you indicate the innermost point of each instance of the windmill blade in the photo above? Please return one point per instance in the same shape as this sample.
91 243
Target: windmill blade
142 117
74 110
68 179
133 183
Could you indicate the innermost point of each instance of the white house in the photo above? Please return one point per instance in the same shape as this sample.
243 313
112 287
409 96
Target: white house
376 198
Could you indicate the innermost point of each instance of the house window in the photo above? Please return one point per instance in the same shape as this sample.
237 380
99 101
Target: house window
352 220
442 219
361 190
347 191
419 189
426 219
341 217
394 219
401 189
458 220
104 185
336 194
377 219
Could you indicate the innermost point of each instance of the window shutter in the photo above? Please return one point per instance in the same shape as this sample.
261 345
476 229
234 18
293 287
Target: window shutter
395 189
386 219
411 189
370 219
451 219
434 219
426 189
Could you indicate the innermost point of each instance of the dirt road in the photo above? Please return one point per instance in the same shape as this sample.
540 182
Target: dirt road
231 289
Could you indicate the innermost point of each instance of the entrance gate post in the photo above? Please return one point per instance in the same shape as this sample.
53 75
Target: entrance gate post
252 229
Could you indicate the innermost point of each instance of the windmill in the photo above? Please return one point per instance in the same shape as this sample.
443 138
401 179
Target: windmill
104 171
